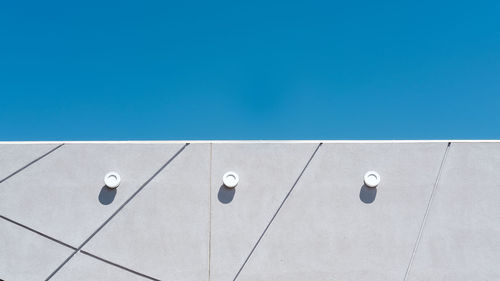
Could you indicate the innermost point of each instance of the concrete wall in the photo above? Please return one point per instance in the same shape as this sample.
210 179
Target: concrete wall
300 211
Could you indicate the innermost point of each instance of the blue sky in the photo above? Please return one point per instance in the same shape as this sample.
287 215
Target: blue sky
146 70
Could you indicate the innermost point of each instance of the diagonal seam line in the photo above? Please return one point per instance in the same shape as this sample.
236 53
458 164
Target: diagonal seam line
119 266
117 211
37 232
31 163
426 214
277 211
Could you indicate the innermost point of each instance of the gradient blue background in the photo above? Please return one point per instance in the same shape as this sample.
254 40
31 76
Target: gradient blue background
103 70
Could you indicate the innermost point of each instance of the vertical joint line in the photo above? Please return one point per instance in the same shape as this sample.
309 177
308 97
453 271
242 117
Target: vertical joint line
426 214
210 215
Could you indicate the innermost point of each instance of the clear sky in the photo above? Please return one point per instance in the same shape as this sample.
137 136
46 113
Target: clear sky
170 70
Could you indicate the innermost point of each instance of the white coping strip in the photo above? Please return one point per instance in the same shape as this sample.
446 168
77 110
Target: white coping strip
249 141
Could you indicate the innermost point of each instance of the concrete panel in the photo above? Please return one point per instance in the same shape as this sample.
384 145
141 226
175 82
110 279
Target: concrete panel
333 227
266 172
461 238
164 231
63 195
16 156
25 255
83 267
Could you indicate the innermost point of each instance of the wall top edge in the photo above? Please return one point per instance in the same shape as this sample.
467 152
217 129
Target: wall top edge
249 141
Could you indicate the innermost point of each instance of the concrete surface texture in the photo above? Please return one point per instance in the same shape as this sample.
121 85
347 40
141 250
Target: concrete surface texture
299 212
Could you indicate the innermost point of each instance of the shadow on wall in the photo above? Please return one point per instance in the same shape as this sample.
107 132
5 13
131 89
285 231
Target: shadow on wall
367 194
225 194
107 195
